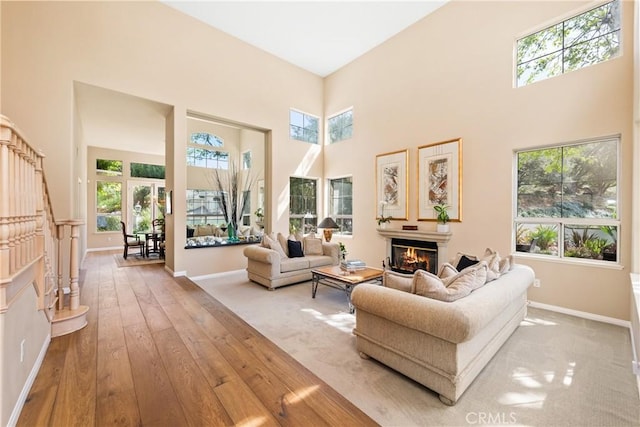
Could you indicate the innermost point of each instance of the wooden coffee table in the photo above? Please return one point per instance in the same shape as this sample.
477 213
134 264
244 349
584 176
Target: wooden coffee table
338 278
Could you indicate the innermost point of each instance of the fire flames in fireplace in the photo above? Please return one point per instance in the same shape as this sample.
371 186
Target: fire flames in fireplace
409 256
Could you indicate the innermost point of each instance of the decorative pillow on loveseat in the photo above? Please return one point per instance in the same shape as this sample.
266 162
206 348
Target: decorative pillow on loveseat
431 286
295 249
312 246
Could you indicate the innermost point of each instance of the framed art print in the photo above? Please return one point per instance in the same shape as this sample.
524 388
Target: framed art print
391 184
440 179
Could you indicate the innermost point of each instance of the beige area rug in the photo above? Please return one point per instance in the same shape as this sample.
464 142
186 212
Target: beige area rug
135 260
556 370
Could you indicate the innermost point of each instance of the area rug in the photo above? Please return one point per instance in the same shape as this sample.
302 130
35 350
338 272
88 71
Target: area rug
133 260
555 370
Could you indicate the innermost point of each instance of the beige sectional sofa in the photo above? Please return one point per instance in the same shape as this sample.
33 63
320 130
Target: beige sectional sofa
442 345
271 265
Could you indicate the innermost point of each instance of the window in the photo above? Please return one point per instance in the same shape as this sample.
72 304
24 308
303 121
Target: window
108 206
567 199
303 215
585 39
341 126
341 204
246 160
303 127
108 167
201 151
204 207
246 208
144 170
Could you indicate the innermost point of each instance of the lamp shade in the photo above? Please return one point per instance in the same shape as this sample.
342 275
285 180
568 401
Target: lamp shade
328 222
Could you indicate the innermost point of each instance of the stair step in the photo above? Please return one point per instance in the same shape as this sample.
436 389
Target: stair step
67 321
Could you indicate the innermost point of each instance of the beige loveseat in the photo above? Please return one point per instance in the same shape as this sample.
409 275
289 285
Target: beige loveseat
272 265
442 345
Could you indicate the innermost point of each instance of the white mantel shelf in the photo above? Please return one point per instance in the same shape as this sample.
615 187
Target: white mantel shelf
429 236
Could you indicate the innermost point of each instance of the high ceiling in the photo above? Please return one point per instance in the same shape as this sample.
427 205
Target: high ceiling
318 36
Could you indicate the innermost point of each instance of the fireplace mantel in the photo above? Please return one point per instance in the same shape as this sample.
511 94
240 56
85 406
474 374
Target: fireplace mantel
428 236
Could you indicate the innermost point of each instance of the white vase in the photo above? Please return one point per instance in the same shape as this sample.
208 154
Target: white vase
383 225
442 228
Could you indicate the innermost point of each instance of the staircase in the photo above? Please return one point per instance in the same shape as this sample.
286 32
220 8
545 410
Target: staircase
33 245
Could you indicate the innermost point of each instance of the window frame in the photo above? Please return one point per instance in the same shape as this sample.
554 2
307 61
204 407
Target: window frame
564 223
210 163
330 140
330 205
311 214
561 51
304 128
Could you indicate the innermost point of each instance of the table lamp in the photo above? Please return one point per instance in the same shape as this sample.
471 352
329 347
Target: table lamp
328 225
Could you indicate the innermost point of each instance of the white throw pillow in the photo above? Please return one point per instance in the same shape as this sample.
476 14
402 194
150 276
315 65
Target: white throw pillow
431 286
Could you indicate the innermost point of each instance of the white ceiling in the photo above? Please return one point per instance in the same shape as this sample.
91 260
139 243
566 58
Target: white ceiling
318 36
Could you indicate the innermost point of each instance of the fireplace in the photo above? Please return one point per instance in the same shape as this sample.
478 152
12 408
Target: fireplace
408 256
429 244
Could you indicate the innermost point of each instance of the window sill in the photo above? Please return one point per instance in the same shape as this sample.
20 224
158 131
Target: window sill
610 265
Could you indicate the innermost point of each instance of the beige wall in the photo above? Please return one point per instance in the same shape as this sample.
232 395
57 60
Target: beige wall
451 75
151 51
448 76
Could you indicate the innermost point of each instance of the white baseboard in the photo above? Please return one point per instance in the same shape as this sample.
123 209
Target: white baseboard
582 314
15 414
216 275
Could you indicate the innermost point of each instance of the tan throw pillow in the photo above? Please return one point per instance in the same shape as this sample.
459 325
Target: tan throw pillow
312 246
431 286
283 242
399 281
476 272
506 264
276 246
447 270
492 258
266 238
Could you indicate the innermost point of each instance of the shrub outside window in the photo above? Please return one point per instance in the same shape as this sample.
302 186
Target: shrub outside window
586 39
303 127
340 126
567 199
108 206
341 204
303 214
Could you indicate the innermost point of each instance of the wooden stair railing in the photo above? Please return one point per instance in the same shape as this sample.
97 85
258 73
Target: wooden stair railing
32 246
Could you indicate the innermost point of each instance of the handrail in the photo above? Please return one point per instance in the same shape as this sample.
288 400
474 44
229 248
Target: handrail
32 248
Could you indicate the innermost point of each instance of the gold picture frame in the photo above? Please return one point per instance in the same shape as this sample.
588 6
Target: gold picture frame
392 184
440 179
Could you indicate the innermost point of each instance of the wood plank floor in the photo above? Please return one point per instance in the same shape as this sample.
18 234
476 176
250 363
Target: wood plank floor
159 351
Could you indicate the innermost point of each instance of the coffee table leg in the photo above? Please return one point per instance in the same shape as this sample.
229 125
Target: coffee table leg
314 284
347 290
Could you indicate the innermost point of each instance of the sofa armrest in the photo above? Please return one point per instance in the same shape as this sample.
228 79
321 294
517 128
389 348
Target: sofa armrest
261 254
423 314
332 250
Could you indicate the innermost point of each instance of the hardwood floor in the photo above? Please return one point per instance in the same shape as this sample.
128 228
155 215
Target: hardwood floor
159 351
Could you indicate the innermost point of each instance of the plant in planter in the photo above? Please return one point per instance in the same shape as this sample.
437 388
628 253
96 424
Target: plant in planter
343 250
259 213
546 237
383 220
443 217
523 239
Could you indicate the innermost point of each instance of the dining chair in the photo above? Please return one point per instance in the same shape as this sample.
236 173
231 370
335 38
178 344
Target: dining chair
131 241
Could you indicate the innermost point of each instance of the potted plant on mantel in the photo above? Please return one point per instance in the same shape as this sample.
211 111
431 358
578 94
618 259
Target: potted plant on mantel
443 218
383 220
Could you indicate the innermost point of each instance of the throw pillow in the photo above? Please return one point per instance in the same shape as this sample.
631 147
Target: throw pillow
431 286
295 249
447 270
506 264
283 242
492 259
465 262
276 246
476 275
399 281
312 246
266 238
